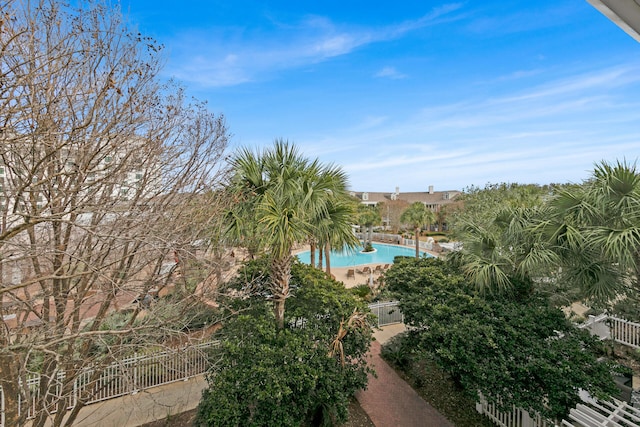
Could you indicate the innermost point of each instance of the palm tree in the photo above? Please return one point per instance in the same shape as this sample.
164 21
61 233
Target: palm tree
334 230
509 247
279 192
596 229
503 235
417 215
587 236
369 216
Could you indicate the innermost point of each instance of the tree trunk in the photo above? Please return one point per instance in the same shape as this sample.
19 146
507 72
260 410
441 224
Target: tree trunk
320 258
279 312
327 250
417 236
9 374
312 253
281 275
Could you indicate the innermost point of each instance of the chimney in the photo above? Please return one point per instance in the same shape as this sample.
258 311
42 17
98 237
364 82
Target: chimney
397 190
431 189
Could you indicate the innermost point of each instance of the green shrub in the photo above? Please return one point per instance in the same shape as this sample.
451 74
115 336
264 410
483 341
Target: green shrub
397 352
362 291
265 376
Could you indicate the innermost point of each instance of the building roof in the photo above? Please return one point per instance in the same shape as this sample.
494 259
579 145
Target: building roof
426 197
624 13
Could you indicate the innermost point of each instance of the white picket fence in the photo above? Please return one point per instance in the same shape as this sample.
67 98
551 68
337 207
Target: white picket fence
591 413
610 327
516 418
126 376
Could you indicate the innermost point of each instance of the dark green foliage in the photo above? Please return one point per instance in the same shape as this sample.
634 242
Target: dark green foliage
362 291
627 308
398 351
264 376
482 204
514 347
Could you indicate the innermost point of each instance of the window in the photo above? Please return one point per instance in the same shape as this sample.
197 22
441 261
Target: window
365 196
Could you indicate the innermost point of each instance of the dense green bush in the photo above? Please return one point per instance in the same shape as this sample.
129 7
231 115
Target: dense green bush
513 348
263 376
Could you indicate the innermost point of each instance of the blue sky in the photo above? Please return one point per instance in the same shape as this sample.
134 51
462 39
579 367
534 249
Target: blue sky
414 93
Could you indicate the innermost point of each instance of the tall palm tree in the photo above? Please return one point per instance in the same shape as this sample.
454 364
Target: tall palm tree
334 230
417 215
369 216
278 193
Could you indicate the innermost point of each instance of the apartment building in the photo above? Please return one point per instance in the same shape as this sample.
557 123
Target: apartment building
397 201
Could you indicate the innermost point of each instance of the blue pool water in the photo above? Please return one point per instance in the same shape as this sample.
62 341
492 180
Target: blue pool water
384 254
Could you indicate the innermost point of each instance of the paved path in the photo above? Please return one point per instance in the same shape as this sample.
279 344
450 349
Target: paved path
389 400
157 403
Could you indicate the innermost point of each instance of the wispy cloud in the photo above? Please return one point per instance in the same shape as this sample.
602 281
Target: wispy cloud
390 73
503 21
550 133
230 56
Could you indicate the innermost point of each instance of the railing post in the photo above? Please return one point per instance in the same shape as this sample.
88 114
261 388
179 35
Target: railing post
527 421
185 362
1 407
75 391
135 373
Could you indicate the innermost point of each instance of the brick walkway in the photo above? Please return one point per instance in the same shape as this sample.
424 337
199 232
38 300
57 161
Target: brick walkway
391 402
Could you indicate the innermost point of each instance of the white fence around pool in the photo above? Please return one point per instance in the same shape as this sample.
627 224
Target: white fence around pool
387 313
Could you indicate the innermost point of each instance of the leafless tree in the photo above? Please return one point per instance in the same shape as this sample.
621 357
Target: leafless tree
108 182
391 210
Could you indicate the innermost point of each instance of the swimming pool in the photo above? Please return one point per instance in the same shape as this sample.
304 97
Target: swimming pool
384 254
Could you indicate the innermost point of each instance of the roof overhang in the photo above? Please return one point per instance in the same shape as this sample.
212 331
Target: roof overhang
624 13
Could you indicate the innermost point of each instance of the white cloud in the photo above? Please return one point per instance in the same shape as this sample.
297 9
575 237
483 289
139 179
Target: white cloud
551 133
204 57
390 73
